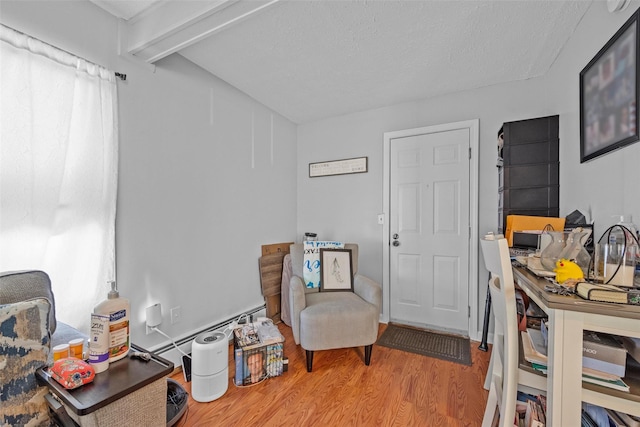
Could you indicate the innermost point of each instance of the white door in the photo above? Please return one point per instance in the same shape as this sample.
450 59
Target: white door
429 226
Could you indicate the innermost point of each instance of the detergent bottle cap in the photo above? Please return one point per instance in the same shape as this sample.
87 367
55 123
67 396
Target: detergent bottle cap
113 293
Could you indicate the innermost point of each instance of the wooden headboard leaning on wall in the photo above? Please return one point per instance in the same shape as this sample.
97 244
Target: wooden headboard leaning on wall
271 276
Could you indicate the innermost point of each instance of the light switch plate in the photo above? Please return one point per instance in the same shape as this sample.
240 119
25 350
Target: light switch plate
176 315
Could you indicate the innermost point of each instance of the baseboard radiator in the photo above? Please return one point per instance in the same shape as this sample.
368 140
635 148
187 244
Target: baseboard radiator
169 352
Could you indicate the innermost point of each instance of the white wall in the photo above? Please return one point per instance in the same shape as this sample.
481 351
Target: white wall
345 207
608 185
202 184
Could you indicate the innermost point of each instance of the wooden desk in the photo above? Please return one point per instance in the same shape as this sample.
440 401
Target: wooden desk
568 317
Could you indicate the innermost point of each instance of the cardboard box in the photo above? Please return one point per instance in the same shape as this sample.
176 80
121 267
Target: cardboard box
529 223
603 352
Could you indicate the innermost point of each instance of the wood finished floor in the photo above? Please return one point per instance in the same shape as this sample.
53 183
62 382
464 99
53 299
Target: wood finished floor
397 389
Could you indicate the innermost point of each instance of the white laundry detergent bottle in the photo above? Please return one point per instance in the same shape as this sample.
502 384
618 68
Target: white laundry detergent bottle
117 308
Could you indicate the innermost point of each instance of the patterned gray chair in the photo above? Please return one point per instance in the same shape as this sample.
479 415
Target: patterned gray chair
28 330
329 320
17 286
26 319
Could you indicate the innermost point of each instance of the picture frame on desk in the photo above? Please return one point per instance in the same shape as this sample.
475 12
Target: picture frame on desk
609 94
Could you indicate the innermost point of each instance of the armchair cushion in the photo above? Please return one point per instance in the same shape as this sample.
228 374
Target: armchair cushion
16 286
24 347
337 320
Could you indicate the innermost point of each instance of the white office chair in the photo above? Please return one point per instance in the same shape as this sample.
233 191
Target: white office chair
504 374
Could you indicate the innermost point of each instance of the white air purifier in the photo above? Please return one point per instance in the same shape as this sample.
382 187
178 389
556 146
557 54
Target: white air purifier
209 366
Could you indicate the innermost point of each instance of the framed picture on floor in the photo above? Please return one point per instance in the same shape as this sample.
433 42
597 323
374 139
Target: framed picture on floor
609 94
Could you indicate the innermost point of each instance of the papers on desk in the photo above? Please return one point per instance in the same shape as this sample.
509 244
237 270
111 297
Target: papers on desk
533 264
536 353
257 334
537 341
531 355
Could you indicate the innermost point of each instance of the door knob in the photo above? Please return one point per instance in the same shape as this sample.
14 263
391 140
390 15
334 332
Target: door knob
395 243
395 236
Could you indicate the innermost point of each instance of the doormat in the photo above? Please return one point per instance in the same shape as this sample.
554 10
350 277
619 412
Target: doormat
452 348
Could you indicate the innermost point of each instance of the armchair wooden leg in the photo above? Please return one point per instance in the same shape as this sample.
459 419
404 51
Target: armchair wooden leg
367 354
309 360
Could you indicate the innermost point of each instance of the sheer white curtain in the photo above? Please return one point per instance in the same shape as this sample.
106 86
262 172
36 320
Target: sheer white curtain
58 171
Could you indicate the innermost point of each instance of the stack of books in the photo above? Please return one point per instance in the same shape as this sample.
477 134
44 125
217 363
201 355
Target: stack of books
603 361
596 416
620 419
530 410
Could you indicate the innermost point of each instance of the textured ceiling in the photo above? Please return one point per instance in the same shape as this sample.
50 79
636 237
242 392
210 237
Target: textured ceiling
309 60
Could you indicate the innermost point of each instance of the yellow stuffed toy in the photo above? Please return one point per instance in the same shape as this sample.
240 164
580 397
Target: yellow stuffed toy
567 270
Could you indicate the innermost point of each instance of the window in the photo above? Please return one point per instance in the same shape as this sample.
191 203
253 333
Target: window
58 171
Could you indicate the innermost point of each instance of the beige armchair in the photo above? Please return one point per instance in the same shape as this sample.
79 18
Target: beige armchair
328 320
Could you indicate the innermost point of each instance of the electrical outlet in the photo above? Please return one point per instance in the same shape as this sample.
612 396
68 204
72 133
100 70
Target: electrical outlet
176 314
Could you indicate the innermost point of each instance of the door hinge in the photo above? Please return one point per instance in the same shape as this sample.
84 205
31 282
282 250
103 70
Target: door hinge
469 153
469 311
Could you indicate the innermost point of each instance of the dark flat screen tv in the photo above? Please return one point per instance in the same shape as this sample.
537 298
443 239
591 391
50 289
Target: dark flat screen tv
609 94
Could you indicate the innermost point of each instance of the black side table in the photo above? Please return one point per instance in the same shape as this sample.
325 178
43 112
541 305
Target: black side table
131 392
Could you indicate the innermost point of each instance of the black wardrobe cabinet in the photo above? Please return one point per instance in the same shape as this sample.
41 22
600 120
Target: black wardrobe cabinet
529 181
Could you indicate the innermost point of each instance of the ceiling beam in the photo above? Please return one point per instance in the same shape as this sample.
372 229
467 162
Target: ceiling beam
171 26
